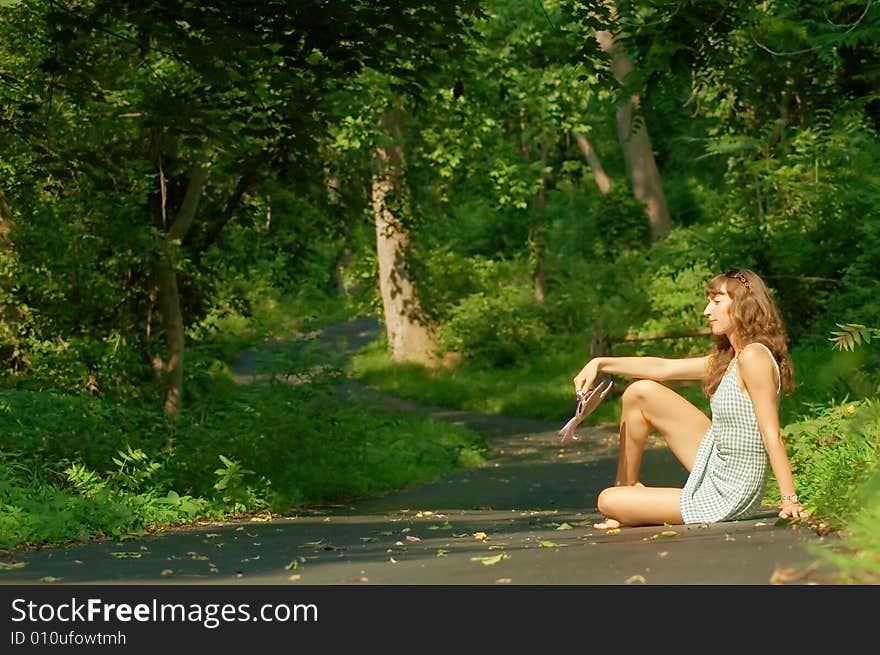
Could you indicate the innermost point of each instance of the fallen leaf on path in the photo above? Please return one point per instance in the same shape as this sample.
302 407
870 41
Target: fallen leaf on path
120 554
544 543
391 560
167 572
729 537
494 559
368 538
410 537
294 564
663 553
4 566
50 578
784 575
503 581
663 535
565 526
445 526
386 533
441 552
295 577
636 579
480 536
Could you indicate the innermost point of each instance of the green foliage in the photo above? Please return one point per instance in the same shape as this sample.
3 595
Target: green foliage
835 456
857 560
495 330
230 483
136 469
35 509
851 335
448 278
538 386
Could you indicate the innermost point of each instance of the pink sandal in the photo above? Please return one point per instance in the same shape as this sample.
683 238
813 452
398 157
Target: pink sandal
587 402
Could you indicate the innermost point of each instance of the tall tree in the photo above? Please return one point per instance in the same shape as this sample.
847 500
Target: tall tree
598 171
632 131
409 336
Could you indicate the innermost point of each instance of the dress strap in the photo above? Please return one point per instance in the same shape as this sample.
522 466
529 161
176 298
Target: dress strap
775 364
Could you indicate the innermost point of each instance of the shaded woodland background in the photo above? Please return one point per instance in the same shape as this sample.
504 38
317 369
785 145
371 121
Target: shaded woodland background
495 180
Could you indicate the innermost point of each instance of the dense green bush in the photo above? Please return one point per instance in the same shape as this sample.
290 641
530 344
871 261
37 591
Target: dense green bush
834 451
496 329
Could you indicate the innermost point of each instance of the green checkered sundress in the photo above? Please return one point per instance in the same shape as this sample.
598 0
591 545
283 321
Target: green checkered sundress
731 468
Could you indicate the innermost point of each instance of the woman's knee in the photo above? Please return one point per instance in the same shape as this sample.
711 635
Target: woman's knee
605 502
640 391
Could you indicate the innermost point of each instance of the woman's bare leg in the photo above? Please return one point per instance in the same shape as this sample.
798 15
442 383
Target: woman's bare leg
647 406
639 505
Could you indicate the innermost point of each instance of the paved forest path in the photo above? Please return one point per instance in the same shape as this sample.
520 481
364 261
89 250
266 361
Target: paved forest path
525 518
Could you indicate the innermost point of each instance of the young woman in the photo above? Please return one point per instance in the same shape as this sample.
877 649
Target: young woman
728 457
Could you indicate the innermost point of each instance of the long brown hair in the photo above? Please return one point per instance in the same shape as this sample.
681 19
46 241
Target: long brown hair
755 317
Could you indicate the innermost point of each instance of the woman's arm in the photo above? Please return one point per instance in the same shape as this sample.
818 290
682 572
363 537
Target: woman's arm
759 378
651 368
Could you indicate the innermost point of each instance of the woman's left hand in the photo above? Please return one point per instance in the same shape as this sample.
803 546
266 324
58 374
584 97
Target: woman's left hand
792 510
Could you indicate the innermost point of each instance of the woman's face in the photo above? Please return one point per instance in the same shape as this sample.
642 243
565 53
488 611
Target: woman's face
718 312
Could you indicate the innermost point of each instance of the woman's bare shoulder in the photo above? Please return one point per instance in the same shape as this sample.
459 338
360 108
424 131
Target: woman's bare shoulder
756 361
755 352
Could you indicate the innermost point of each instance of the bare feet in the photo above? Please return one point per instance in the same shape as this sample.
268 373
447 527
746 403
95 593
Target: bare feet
607 524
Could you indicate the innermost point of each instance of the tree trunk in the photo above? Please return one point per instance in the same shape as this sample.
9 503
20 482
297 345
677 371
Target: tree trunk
635 142
600 343
171 368
166 292
537 238
599 175
538 243
409 339
244 184
7 224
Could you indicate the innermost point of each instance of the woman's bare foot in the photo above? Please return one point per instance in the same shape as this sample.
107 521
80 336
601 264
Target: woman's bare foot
607 524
